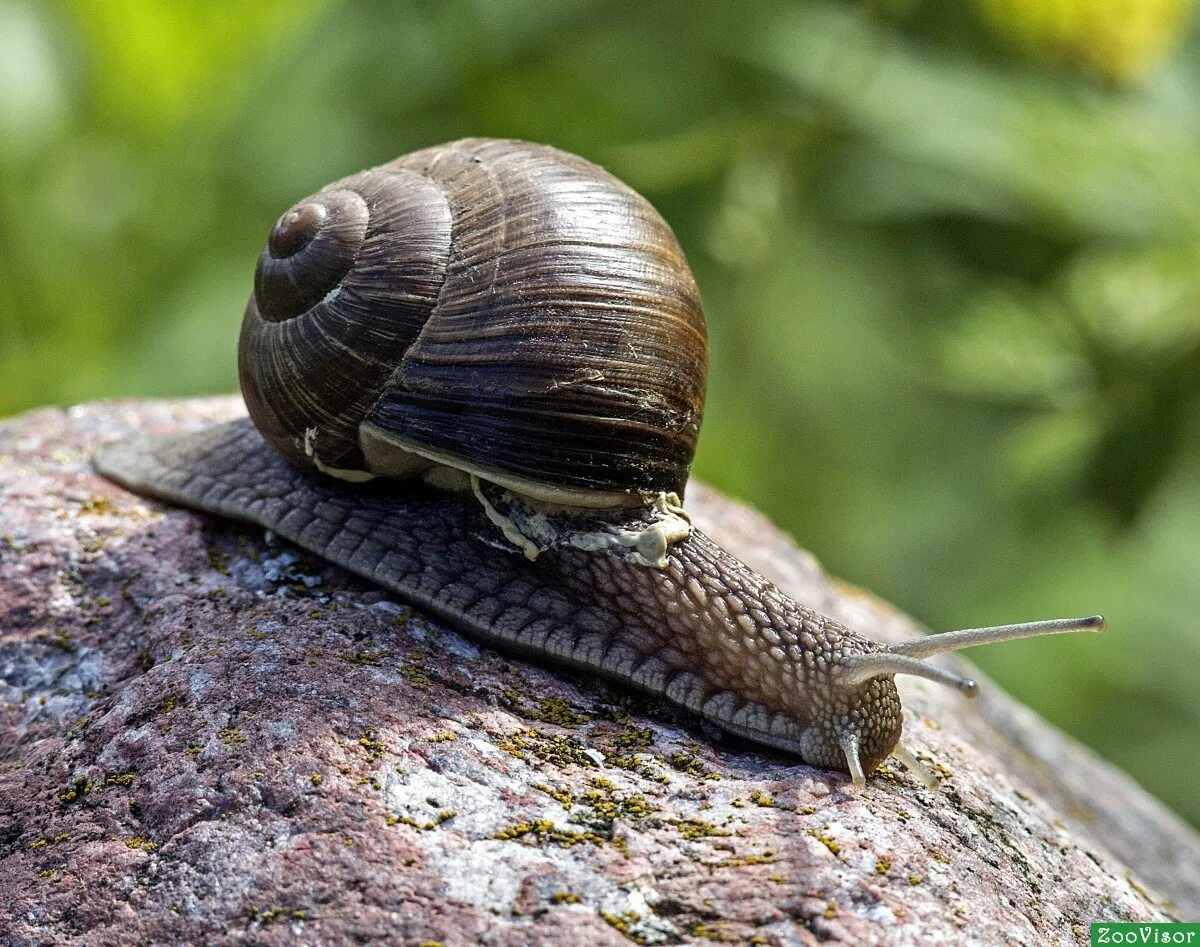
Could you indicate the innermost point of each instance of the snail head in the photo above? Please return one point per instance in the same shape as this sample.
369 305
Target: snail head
862 727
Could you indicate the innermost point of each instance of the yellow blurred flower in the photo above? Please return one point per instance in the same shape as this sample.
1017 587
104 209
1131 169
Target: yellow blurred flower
159 61
1119 39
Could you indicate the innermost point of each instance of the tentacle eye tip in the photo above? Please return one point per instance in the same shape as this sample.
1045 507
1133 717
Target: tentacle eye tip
296 229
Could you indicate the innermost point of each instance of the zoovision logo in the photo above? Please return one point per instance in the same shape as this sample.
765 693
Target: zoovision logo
1145 934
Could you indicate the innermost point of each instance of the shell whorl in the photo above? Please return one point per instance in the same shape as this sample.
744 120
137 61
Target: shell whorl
328 324
496 305
309 251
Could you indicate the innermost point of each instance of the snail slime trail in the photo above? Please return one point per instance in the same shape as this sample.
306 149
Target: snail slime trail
508 343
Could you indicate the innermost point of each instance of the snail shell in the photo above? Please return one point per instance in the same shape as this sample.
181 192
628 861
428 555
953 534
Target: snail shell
496 306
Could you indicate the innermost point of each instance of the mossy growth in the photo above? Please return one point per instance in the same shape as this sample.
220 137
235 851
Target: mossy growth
767 857
271 914
219 561
687 762
373 748
555 750
367 657
417 676
98 506
543 831
76 790
826 840
445 815
564 797
623 923
45 842
692 829
707 931
764 800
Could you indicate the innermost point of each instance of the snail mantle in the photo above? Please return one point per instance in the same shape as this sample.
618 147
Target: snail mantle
207 735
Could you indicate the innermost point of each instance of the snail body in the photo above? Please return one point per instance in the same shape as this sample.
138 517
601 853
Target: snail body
475 375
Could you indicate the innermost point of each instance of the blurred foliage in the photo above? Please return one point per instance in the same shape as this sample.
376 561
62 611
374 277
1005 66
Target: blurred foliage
1119 39
953 281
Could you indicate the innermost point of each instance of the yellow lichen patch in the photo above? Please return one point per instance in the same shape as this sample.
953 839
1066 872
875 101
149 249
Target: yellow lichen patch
827 841
623 923
697 828
444 816
417 676
631 740
98 506
76 790
368 657
231 736
760 798
710 932
553 710
563 797
140 843
692 765
372 747
219 561
741 861
564 897
543 831
558 751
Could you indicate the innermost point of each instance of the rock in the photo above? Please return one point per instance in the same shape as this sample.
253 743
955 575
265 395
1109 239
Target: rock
208 736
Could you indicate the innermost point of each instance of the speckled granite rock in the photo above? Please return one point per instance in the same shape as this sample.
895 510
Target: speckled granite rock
206 736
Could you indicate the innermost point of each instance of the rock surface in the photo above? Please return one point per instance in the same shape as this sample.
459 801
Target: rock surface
206 736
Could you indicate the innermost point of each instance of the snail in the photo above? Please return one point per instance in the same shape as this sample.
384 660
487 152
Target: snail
475 375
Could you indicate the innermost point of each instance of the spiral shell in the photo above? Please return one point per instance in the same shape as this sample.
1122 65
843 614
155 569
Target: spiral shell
500 307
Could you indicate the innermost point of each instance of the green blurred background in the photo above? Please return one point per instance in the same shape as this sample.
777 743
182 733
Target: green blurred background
950 254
